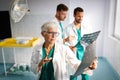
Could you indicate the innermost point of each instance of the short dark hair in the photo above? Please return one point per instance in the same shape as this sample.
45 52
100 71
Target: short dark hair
78 9
62 7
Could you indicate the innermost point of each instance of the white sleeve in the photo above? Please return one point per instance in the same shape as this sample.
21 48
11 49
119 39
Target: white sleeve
71 59
35 59
66 33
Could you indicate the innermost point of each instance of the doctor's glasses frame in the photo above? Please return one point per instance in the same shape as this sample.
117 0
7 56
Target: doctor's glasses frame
52 33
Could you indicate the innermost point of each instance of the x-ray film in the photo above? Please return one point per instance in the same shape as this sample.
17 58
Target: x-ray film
89 38
87 60
90 52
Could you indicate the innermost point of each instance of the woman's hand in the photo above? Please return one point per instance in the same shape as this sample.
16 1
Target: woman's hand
43 61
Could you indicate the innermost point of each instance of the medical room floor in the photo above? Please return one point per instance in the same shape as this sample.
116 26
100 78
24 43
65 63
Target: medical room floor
103 72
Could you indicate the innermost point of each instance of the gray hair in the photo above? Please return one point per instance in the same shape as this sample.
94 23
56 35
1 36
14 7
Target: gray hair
48 25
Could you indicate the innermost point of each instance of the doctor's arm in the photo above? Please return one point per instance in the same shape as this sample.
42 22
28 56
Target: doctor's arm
67 37
37 62
71 59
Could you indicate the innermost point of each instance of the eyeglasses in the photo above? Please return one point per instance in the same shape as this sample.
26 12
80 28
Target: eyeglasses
53 33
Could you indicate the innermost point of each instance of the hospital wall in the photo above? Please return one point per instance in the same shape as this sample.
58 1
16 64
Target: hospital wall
111 45
44 10
97 14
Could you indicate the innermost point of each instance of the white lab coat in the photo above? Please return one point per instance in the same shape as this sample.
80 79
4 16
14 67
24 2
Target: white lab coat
62 56
70 30
59 38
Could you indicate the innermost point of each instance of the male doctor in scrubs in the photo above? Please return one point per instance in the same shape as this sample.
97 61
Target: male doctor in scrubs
77 29
49 59
60 16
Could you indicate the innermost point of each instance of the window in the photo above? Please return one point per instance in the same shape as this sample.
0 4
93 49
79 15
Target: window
117 21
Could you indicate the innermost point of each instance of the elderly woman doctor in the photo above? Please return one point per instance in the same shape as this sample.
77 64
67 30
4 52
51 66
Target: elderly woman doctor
49 58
